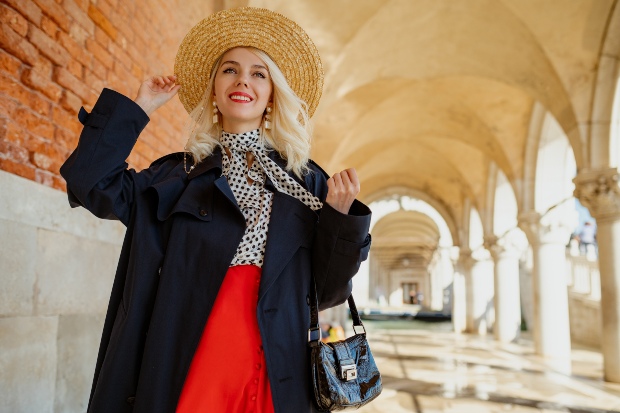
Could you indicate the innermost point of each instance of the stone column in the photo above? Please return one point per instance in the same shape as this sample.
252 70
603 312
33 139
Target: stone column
459 293
599 191
507 299
549 284
478 292
467 264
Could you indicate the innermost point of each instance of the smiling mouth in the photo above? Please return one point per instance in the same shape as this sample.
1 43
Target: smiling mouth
240 98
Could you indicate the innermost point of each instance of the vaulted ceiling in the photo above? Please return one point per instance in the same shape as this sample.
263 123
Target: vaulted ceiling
426 94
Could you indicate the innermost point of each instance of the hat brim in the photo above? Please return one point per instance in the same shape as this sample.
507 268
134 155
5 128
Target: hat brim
282 39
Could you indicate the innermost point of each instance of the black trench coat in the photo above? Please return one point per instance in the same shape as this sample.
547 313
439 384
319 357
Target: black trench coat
182 233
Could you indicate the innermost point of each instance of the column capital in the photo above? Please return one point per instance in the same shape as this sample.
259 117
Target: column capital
467 258
465 253
490 241
505 246
599 191
543 231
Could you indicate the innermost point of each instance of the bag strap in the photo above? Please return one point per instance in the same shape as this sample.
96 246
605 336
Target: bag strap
314 332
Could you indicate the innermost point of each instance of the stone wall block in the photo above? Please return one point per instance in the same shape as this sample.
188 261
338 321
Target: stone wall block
17 269
585 321
74 275
26 202
27 364
78 342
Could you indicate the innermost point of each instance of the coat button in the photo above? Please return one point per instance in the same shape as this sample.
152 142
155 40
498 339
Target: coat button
203 212
308 299
131 400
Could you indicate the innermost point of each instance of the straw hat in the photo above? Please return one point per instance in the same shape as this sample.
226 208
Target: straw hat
281 38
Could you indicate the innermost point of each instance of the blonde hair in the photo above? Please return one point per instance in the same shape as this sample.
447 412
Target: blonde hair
290 132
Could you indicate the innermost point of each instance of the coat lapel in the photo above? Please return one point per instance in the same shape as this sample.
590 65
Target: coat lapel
222 184
291 226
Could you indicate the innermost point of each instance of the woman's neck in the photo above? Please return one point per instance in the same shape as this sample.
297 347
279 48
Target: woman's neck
252 132
239 127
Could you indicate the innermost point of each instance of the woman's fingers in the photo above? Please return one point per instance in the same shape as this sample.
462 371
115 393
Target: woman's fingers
337 182
346 182
165 83
342 188
352 174
156 91
159 81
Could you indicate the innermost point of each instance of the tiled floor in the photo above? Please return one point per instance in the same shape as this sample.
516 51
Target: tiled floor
429 369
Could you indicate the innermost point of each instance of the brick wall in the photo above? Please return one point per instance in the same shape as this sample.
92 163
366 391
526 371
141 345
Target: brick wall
57 55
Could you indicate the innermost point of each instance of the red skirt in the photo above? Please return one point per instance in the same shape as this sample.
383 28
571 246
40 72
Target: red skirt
228 371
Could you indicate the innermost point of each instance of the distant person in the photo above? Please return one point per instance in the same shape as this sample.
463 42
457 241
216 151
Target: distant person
420 298
587 238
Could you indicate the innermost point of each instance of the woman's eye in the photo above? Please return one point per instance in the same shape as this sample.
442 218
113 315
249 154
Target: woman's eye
260 74
229 70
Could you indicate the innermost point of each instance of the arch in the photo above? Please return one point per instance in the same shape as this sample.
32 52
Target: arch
406 235
476 230
404 227
537 120
555 168
488 213
396 192
599 133
406 255
614 142
505 209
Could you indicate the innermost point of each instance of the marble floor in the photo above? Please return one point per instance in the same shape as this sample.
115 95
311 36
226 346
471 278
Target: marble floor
429 369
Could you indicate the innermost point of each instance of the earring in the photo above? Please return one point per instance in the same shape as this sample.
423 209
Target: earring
215 112
268 118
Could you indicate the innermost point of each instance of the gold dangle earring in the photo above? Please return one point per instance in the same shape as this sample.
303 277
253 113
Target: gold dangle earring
215 119
267 118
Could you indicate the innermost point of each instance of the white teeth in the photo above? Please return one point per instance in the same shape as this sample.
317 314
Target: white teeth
239 97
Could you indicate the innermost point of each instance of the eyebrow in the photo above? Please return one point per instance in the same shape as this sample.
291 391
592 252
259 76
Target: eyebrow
232 62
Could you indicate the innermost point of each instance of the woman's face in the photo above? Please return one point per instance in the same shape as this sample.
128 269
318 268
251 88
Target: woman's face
242 90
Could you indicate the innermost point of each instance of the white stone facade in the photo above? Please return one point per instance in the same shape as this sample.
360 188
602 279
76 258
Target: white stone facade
56 270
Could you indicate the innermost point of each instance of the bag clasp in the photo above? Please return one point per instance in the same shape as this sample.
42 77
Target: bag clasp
348 372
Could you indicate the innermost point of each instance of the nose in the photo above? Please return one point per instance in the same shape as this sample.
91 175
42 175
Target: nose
242 79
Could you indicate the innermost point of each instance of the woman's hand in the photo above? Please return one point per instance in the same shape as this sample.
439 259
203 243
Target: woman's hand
342 188
155 92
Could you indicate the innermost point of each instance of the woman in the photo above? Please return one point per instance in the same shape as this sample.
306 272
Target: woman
209 309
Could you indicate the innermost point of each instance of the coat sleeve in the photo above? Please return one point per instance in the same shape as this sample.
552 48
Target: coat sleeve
340 245
96 172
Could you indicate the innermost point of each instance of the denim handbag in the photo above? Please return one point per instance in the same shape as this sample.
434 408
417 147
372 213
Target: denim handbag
344 373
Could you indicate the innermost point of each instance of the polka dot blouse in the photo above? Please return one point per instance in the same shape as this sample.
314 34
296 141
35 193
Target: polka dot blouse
248 186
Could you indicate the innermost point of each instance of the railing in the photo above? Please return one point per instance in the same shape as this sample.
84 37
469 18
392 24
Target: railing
583 276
